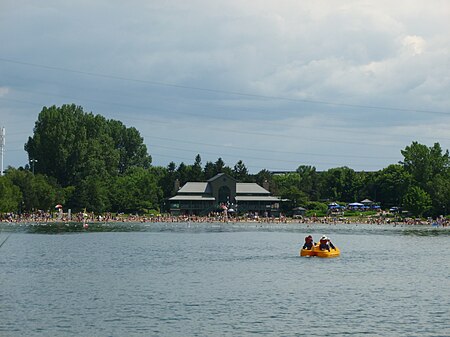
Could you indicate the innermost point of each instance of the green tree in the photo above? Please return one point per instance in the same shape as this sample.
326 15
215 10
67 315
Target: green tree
71 145
240 172
430 170
219 165
441 195
129 144
196 173
136 191
10 195
92 194
264 177
417 201
309 181
183 173
38 191
391 184
424 163
209 170
288 186
339 184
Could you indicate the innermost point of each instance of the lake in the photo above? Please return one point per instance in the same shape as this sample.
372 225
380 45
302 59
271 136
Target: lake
189 279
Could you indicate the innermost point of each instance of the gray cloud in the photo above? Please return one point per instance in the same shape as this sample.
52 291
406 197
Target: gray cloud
313 75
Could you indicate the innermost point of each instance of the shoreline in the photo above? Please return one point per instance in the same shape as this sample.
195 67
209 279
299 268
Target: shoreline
108 218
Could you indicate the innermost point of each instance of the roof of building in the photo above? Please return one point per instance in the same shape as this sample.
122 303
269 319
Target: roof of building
250 188
203 188
195 187
192 197
217 176
257 198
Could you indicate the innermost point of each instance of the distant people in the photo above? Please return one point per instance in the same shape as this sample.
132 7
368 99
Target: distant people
309 242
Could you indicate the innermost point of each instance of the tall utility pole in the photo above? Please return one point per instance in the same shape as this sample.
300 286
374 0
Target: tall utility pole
2 147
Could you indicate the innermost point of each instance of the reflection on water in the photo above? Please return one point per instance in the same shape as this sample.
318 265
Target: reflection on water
190 279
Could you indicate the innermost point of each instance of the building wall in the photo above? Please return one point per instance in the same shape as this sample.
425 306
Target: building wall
223 181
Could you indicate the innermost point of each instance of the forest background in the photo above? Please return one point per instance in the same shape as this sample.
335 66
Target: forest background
86 162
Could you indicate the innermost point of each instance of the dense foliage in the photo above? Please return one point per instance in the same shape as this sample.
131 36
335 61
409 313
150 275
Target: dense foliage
85 161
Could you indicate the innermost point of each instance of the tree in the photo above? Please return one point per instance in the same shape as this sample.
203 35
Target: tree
295 197
136 191
219 166
183 173
38 191
309 181
424 163
129 144
71 145
417 201
264 177
196 173
92 194
240 172
391 184
339 184
10 195
171 167
209 170
441 195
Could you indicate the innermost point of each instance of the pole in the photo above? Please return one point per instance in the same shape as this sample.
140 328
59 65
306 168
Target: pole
2 148
33 162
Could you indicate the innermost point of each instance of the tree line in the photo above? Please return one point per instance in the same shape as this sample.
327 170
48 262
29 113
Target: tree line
85 161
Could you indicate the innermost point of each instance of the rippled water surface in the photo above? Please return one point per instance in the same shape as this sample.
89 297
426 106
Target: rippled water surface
222 280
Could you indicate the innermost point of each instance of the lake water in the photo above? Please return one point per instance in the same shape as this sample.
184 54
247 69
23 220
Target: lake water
223 280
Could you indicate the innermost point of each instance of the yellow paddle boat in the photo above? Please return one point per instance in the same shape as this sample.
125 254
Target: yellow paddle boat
307 252
315 251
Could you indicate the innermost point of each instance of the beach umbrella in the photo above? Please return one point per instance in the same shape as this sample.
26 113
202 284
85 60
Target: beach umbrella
355 204
58 206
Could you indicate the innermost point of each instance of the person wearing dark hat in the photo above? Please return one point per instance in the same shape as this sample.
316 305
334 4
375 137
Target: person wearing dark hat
309 242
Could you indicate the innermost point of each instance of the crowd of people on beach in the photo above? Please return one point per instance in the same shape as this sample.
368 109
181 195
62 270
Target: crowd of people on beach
47 217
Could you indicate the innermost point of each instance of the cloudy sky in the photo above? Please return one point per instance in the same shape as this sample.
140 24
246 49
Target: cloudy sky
275 83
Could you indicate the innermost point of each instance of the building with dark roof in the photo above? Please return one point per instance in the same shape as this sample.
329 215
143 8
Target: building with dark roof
201 198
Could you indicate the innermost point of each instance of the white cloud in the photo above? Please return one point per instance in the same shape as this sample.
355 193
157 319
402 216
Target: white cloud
414 44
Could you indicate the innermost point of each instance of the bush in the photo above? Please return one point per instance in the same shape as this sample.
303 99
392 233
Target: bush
318 207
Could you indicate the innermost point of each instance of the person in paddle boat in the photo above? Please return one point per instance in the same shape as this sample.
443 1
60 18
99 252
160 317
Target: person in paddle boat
309 242
330 244
325 243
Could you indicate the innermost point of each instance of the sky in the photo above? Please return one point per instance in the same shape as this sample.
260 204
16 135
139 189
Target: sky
276 84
